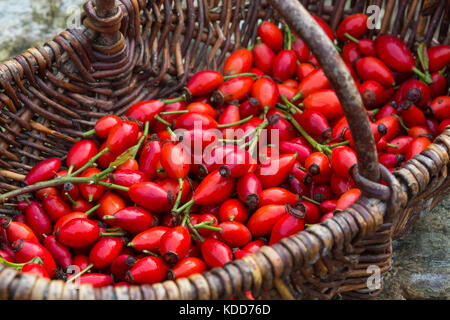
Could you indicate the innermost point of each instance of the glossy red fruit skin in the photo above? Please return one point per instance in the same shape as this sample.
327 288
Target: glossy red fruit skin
417 92
439 85
263 220
274 171
110 203
105 124
44 170
105 251
91 192
367 47
288 225
249 189
149 158
97 280
120 265
279 128
355 25
235 89
440 108
150 196
340 185
55 207
149 239
351 53
439 57
25 250
38 220
314 81
312 212
133 219
8 256
347 199
204 82
215 253
59 252
175 160
328 205
314 123
14 230
371 68
145 111
106 158
239 61
325 27
416 146
37 269
372 93
122 136
289 147
234 233
412 115
81 261
271 35
127 178
148 270
390 160
248 108
214 189
326 102
303 70
277 195
66 218
318 166
284 65
300 49
186 267
342 160
402 142
265 90
394 53
174 244
78 233
444 124
263 57
191 120
80 153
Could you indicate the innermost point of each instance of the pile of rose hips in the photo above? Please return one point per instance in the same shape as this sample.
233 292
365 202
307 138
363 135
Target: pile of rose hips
145 207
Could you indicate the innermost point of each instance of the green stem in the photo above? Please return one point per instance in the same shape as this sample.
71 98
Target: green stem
311 200
255 140
150 253
87 213
246 74
180 191
69 171
189 223
89 133
353 39
402 124
290 104
113 186
184 206
288 37
173 112
19 266
79 274
157 117
112 234
319 147
73 202
424 76
172 134
173 100
206 225
90 162
392 145
338 144
297 97
226 125
301 168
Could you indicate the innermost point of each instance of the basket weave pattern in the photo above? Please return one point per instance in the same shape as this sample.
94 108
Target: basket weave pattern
134 50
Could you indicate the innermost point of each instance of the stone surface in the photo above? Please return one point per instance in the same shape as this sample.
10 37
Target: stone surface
421 263
421 260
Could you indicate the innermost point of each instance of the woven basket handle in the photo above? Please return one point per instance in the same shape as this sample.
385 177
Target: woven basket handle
304 25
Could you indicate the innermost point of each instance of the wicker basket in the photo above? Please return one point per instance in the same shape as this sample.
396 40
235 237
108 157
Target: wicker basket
132 50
